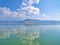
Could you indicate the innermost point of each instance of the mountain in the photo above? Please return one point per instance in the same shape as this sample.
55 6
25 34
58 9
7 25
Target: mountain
40 22
31 22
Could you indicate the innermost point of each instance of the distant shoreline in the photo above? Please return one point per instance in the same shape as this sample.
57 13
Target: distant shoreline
30 22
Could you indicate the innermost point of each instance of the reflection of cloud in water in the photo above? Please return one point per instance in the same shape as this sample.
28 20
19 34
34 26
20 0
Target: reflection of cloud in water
29 35
18 30
25 32
25 42
21 32
4 34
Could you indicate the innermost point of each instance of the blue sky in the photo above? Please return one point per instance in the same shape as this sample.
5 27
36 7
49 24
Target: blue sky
12 4
51 8
37 9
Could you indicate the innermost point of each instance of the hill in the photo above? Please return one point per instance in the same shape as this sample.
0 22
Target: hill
32 22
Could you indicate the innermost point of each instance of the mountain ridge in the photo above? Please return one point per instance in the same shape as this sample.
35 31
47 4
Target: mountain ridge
31 22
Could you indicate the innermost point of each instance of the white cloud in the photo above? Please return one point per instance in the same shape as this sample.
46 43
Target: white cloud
31 2
4 11
30 10
14 14
24 4
44 15
26 10
22 14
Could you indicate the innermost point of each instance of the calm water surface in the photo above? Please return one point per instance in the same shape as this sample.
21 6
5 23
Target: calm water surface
30 35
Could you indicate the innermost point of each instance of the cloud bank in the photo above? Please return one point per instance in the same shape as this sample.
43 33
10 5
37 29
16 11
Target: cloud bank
26 10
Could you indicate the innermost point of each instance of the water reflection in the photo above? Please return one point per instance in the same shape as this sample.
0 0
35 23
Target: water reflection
29 35
19 32
4 34
22 33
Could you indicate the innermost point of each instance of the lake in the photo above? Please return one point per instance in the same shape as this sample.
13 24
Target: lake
29 34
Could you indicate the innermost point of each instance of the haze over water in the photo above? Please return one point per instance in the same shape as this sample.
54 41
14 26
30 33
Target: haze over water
30 35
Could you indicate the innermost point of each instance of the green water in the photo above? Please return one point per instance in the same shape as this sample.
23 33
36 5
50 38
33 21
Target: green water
30 35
